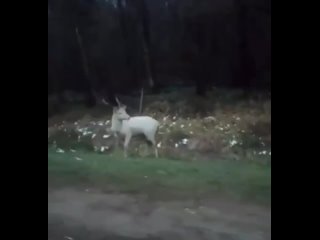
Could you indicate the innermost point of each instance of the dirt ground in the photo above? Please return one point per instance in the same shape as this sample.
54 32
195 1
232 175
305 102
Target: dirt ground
89 214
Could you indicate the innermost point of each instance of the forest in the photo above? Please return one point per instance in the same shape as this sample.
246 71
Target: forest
121 46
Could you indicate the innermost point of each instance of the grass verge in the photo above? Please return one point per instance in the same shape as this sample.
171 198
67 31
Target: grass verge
161 178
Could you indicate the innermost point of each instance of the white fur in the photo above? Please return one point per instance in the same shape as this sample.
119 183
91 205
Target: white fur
127 126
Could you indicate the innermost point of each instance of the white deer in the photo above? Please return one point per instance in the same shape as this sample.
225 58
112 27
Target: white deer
123 124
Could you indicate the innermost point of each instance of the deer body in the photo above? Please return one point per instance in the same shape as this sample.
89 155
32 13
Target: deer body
127 126
136 125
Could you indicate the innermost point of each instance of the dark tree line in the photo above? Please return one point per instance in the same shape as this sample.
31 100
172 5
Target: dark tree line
119 45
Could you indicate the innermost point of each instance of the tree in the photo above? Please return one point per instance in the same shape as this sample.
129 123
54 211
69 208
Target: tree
199 50
144 32
245 71
126 38
129 44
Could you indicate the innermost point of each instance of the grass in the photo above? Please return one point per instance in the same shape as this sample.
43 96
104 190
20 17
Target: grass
226 123
161 177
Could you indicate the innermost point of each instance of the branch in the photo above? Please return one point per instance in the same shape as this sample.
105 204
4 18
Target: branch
141 101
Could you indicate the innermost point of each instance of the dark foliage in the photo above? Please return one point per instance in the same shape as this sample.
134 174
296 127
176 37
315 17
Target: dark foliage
123 45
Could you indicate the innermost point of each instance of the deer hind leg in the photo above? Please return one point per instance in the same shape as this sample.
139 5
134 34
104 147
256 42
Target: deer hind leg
126 144
152 140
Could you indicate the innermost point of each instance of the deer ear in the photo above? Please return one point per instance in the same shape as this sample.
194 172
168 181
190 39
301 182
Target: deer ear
124 107
115 109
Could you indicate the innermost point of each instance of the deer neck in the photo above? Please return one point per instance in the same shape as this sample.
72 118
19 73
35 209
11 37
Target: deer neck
116 124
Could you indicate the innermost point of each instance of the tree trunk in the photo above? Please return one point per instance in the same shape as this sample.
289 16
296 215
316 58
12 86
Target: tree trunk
199 53
147 61
145 38
128 51
245 70
90 99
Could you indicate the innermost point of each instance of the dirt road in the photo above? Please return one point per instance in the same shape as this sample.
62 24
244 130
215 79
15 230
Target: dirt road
87 214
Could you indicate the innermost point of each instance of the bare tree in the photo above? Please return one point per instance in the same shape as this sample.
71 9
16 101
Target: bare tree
126 38
244 73
144 30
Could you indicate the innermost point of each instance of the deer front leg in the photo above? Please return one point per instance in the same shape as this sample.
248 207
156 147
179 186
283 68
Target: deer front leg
156 151
126 144
116 140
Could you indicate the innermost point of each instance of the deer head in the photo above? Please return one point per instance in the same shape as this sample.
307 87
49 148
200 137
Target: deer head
120 113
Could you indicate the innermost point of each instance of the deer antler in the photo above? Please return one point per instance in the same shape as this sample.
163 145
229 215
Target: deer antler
104 101
117 100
